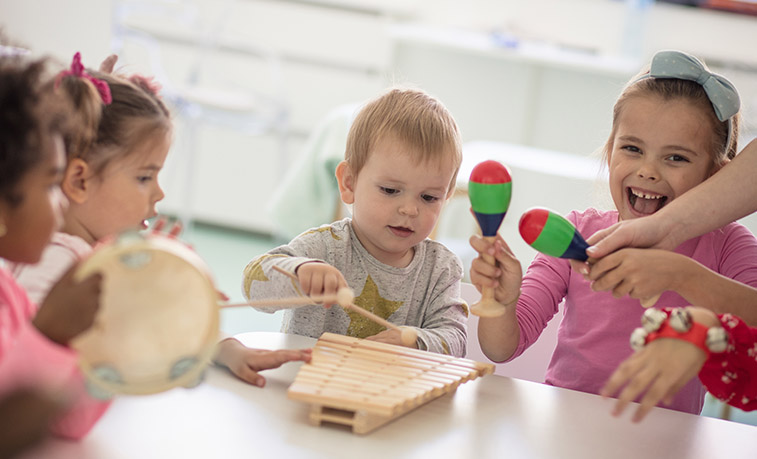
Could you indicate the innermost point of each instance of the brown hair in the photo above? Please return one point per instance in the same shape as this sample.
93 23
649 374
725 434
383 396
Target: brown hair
30 114
669 89
413 117
107 132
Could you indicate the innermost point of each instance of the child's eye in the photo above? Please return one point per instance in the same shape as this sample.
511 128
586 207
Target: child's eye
144 178
678 158
389 191
429 198
631 148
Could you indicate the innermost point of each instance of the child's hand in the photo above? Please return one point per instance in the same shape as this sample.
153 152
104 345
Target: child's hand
25 417
638 273
661 368
505 278
317 278
245 362
69 308
390 337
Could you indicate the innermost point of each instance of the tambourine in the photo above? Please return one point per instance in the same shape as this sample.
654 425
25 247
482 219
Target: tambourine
157 326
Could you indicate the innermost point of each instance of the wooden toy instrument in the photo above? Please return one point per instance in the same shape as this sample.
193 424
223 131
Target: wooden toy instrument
158 322
366 384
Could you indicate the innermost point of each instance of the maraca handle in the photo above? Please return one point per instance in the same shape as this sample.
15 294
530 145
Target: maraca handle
488 306
487 293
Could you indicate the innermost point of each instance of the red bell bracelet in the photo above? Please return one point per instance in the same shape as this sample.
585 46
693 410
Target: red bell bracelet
677 323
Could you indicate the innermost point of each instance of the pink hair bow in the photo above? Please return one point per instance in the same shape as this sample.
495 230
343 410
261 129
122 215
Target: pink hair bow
77 70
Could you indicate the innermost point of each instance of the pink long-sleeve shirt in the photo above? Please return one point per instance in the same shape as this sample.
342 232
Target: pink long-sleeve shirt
593 337
28 358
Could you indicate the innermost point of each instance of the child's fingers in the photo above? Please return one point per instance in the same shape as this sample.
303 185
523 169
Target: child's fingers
485 269
304 277
484 274
580 267
330 284
316 285
481 245
620 376
267 360
251 376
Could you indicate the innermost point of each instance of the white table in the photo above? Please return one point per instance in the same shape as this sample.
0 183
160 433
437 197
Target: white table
490 417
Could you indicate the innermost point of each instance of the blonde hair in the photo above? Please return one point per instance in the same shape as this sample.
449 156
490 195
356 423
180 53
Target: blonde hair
412 117
668 89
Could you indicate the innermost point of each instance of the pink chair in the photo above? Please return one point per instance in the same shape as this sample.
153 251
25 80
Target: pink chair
532 364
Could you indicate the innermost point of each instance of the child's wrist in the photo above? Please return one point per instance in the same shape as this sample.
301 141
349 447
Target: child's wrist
677 323
512 303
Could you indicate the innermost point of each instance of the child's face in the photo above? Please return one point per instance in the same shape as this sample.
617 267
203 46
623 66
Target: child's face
125 194
660 150
32 223
395 201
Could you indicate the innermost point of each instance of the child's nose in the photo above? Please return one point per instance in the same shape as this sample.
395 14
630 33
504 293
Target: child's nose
409 208
160 194
647 170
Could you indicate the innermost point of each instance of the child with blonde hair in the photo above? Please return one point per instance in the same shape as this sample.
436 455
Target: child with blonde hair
401 161
673 127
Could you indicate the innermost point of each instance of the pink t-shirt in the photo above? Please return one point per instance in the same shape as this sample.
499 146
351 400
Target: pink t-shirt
593 337
60 254
28 358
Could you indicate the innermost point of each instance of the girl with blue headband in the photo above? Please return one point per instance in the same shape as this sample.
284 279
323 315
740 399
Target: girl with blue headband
673 127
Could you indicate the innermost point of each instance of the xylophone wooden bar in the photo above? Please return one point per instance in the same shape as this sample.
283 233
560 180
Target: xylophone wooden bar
364 384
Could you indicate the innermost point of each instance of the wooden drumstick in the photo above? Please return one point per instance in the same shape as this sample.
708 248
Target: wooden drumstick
295 302
344 298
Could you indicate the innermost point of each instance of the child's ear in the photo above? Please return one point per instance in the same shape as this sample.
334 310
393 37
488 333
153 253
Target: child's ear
76 180
346 180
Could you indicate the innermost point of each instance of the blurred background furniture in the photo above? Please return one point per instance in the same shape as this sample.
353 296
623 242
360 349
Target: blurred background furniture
204 94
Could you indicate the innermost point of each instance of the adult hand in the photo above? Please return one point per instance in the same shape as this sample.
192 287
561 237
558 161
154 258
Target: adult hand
645 232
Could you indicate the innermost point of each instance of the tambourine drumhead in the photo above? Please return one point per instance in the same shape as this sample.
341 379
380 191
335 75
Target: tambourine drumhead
158 320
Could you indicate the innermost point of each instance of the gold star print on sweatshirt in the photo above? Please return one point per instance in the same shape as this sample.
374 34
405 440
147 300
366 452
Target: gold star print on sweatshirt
370 300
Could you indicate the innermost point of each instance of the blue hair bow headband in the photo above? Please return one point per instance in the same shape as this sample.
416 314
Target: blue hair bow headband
721 92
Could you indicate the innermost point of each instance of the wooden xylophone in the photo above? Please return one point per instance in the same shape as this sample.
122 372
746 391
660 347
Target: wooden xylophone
365 384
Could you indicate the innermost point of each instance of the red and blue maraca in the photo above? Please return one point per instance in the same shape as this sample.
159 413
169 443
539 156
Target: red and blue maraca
551 234
490 190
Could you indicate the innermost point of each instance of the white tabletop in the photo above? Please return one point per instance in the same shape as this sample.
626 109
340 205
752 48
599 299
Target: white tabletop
489 417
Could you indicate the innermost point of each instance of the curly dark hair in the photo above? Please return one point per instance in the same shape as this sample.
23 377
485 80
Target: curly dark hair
30 113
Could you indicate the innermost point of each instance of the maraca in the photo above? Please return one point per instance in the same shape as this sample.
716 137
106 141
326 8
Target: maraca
489 189
551 234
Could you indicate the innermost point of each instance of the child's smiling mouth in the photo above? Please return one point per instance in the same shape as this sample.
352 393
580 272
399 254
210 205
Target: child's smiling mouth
645 202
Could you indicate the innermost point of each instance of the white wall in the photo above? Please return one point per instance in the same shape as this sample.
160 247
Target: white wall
554 91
